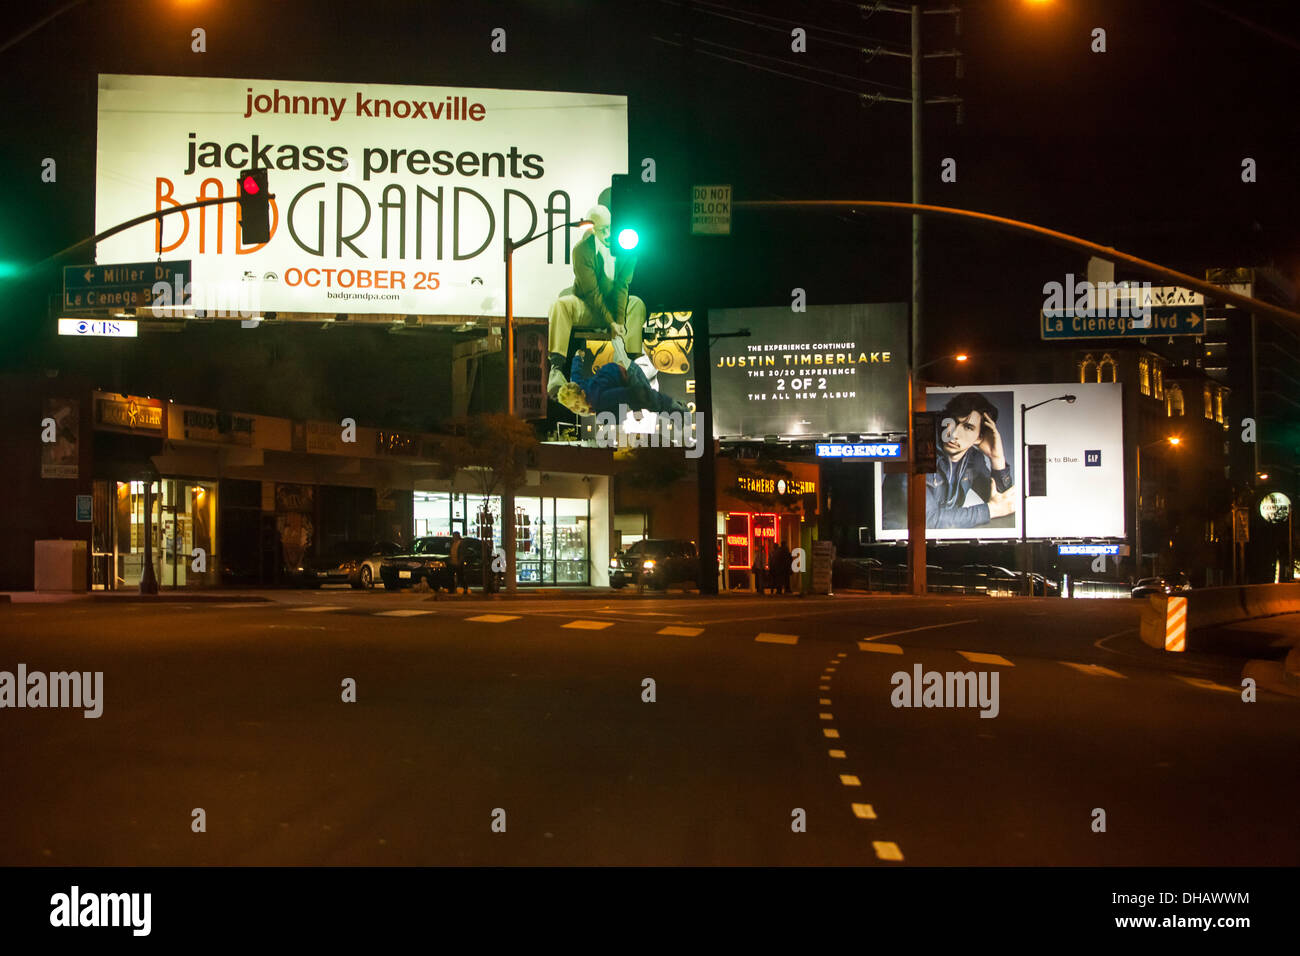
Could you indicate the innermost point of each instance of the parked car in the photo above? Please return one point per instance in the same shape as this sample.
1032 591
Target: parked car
656 563
429 559
1176 583
348 562
999 578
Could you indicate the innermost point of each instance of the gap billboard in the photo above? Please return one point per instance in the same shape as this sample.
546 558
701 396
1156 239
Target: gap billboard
975 493
389 199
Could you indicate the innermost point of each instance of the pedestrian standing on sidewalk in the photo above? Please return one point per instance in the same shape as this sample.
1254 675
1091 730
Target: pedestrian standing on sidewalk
456 558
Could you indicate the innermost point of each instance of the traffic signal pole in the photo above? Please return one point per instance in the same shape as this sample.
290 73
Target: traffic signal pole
708 500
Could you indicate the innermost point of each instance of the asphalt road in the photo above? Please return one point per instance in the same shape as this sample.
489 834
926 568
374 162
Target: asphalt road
764 706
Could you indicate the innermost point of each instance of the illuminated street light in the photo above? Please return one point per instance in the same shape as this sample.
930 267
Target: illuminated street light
1173 440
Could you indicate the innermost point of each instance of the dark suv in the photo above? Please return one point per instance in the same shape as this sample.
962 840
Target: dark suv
430 560
656 563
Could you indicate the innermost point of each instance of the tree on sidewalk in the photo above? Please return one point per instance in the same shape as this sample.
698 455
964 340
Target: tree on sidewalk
493 450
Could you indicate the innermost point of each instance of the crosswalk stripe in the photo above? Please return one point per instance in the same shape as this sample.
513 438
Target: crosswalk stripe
885 850
880 648
589 625
976 657
674 631
1092 670
1204 684
317 608
402 612
494 618
767 638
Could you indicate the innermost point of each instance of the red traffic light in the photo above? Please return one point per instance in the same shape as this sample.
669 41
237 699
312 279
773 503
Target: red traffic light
250 186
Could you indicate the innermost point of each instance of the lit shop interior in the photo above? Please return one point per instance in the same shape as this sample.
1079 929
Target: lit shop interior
552 535
184 518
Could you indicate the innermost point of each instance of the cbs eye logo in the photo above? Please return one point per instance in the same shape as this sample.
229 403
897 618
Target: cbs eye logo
83 327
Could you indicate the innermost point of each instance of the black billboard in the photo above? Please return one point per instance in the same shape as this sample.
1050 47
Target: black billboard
834 369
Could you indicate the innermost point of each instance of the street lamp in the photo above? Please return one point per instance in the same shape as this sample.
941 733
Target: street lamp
1173 440
1025 580
508 492
916 484
511 246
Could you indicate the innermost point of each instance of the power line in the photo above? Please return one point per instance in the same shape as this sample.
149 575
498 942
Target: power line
768 56
712 10
767 69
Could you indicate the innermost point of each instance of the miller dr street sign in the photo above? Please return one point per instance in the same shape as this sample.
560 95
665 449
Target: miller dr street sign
123 285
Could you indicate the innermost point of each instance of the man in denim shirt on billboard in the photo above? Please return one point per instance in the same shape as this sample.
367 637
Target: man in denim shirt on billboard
970 456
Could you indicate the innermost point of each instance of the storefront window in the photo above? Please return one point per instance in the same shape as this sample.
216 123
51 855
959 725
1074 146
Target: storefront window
552 540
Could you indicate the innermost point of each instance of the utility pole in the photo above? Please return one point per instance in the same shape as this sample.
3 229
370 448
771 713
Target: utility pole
916 529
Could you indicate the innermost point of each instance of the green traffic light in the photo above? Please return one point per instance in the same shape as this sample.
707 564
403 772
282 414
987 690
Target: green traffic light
628 239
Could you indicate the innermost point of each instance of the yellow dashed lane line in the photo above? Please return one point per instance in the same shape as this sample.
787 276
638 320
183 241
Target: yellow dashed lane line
886 850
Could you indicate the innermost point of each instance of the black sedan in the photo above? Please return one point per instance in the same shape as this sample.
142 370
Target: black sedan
429 561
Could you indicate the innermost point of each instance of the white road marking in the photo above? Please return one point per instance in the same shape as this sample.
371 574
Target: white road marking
830 732
863 811
1204 684
977 657
1092 670
401 612
318 608
837 754
913 630
494 618
767 638
849 780
589 625
674 631
880 648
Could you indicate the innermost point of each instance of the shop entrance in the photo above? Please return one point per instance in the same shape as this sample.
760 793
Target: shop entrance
184 518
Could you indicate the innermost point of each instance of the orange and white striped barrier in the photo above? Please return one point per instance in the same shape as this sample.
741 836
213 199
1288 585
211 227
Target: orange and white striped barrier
1164 623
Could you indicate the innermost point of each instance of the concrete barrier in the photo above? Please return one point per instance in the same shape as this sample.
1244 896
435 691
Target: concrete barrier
1169 622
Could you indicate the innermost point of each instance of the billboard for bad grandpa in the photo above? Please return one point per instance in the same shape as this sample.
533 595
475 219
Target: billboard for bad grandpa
389 199
834 369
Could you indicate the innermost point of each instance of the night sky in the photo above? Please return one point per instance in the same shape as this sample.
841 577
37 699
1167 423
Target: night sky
1139 147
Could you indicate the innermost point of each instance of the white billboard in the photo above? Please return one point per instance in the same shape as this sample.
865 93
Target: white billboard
389 199
976 490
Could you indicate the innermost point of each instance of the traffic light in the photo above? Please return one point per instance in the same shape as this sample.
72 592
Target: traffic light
254 207
626 213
